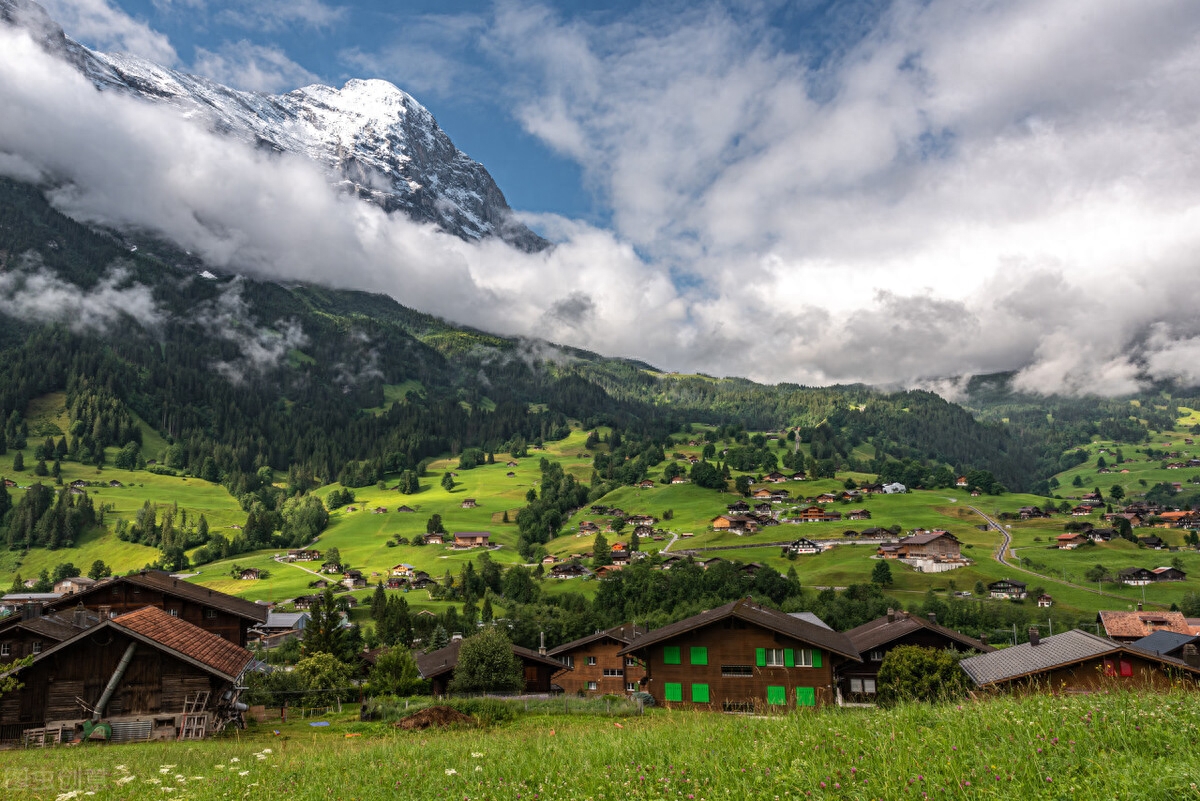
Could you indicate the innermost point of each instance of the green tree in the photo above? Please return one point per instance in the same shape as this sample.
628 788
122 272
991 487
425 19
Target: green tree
485 612
41 468
979 588
1097 573
447 482
601 555
378 602
882 574
742 484
1077 481
913 673
18 462
323 676
1116 492
395 673
99 570
324 633
434 524
439 639
486 663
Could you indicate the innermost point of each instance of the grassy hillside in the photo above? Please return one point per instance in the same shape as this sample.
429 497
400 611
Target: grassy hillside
1041 747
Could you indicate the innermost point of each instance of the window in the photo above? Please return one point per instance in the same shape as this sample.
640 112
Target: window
806 696
777 696
807 657
699 693
210 614
591 660
613 672
5 649
631 686
864 686
671 655
737 671
630 661
698 656
37 646
569 661
876 656
769 657
1126 667
673 691
173 612
592 685
745 707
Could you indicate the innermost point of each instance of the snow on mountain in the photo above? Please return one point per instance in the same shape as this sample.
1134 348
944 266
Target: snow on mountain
376 140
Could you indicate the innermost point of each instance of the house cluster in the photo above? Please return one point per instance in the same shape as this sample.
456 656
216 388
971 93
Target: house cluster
1141 576
137 657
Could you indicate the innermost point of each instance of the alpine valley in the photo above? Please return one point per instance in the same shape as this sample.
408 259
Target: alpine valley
213 418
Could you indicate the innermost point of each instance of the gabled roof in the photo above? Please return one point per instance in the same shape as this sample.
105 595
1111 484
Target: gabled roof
926 537
811 617
624 634
158 629
163 582
1058 651
445 660
1135 625
752 613
882 631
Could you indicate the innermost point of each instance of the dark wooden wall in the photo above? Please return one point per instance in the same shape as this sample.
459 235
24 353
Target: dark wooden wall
122 597
605 651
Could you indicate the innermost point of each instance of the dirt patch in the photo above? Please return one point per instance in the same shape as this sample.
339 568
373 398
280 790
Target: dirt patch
435 716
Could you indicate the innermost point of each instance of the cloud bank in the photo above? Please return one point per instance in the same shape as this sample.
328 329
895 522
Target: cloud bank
964 189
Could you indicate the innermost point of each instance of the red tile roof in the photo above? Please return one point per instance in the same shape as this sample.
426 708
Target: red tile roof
185 639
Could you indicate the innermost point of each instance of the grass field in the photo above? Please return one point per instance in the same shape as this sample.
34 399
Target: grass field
1041 747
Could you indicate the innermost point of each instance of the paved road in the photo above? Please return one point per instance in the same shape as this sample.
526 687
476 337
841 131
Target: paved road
1006 541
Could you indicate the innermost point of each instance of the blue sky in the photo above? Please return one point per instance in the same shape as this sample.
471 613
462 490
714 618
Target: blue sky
892 191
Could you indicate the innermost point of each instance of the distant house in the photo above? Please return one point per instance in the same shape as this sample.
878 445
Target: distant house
435 538
1070 541
799 476
646 484
802 546
588 527
69 586
1007 590
1076 662
405 509
379 510
597 669
1152 542
249 574
858 514
468 503
331 567
1044 601
681 480
738 524
303 555
742 657
961 481
404 570
775 478
762 494
437 667
815 514
875 639
826 497
1168 574
568 570
1135 576
738 507
935 544
471 539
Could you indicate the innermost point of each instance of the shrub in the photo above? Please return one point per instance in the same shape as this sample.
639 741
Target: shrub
914 673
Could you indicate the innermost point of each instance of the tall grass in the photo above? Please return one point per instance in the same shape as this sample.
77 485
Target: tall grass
1118 745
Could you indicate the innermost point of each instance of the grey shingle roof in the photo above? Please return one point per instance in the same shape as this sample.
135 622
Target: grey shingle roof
1165 643
624 634
881 631
1022 660
811 617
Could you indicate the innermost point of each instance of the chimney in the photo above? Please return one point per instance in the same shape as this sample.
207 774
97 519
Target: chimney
891 615
31 610
80 615
933 617
1139 606
105 613
1035 639
542 644
1191 656
983 639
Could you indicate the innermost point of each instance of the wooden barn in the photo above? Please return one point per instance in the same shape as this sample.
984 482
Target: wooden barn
438 667
140 676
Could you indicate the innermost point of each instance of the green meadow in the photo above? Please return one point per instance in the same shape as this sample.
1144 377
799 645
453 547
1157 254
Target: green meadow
1117 745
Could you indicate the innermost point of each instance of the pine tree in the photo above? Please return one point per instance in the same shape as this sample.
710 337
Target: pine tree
324 632
19 462
882 574
485 614
439 638
601 555
378 602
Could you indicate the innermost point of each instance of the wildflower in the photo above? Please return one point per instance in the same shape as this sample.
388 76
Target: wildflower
478 768
451 772
126 779
234 759
266 751
476 755
121 768
243 773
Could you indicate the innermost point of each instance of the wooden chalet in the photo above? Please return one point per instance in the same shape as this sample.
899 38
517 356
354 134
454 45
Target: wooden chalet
224 615
1078 662
303 555
70 586
815 514
929 545
858 514
1168 574
1070 541
1130 626
405 509
437 667
468 503
249 574
742 657
596 667
801 546
568 570
435 538
1045 601
471 539
738 507
873 640
1135 576
1152 542
1007 590
141 675
741 524
31 631
646 484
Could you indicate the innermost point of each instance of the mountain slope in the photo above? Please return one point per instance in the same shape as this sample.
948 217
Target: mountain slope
374 139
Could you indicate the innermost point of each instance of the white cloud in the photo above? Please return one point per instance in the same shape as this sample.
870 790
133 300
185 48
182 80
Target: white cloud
256 68
968 192
101 24
424 57
272 15
35 294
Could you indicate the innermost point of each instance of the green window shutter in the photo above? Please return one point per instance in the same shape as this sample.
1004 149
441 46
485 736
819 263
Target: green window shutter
760 657
789 657
806 696
699 693
816 658
777 696
673 692
671 655
699 656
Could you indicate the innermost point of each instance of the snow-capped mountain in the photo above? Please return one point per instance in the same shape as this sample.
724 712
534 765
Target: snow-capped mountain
375 139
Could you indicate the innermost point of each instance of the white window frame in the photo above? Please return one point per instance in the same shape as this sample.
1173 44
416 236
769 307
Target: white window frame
631 661
569 661
613 673
631 686
37 646
5 649
591 660
875 656
774 657
591 685
804 657
862 686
